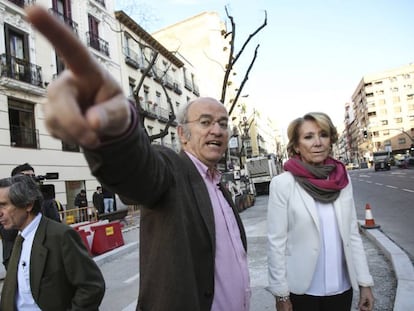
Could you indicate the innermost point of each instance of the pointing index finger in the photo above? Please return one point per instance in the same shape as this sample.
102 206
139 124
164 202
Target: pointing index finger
73 51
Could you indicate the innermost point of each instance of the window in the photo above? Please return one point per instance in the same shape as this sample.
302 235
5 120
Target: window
397 109
93 38
17 64
146 93
22 124
70 147
398 120
396 99
131 85
401 140
158 98
385 132
387 142
381 102
384 122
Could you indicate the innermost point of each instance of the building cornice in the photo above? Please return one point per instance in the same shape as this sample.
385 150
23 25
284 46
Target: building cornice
124 19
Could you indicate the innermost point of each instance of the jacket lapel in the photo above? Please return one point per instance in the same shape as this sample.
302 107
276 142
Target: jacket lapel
310 206
38 258
200 193
229 199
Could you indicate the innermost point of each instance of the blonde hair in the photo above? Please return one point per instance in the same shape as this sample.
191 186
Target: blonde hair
321 119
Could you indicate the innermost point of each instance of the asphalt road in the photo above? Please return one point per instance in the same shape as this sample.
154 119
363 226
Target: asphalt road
121 273
391 196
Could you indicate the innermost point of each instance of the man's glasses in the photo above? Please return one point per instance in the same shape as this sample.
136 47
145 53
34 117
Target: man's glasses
206 122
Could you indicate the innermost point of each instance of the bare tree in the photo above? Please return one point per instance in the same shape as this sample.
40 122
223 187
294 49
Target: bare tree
233 58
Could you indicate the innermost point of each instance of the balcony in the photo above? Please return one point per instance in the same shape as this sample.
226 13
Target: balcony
168 82
97 43
187 84
177 88
131 58
163 115
67 20
101 2
20 69
24 137
151 110
196 91
143 64
22 3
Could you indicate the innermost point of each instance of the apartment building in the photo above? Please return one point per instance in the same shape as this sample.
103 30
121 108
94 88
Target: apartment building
28 64
169 83
202 39
382 116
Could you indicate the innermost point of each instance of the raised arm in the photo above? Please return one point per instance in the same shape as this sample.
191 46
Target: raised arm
85 103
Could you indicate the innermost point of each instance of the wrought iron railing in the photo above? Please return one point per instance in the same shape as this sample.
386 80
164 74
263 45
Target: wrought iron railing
131 57
67 20
22 3
20 69
188 84
101 2
97 43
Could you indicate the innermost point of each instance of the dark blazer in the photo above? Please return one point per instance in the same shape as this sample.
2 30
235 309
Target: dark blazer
62 274
177 232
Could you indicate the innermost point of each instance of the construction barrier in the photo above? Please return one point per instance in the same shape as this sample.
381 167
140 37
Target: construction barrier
106 237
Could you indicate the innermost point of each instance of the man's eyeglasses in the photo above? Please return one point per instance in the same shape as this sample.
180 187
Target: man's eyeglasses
206 122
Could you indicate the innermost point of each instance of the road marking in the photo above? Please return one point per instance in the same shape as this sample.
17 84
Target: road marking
377 183
408 190
132 279
390 186
368 182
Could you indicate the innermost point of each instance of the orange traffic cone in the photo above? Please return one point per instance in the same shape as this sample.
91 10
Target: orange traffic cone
369 219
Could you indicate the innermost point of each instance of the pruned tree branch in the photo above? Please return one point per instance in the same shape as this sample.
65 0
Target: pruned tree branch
246 77
233 59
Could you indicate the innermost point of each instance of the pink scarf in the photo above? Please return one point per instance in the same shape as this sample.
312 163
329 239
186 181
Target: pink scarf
323 182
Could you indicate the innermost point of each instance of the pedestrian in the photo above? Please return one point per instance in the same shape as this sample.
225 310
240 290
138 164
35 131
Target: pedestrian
81 203
50 268
8 236
108 199
192 241
98 201
315 254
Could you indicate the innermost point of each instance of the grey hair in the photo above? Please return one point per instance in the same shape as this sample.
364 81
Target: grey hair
23 192
182 117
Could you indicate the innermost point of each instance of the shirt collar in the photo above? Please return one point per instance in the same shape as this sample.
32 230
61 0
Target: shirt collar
212 174
32 226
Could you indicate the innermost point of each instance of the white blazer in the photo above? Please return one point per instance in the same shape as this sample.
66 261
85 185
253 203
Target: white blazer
293 237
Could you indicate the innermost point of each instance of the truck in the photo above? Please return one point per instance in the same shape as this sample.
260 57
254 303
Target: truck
261 170
382 160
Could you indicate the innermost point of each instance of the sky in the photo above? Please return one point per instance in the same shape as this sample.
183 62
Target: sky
312 54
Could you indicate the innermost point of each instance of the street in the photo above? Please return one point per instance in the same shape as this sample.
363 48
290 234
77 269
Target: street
382 190
122 275
391 196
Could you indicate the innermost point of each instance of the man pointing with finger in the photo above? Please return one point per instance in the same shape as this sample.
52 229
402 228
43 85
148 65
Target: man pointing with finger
192 241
